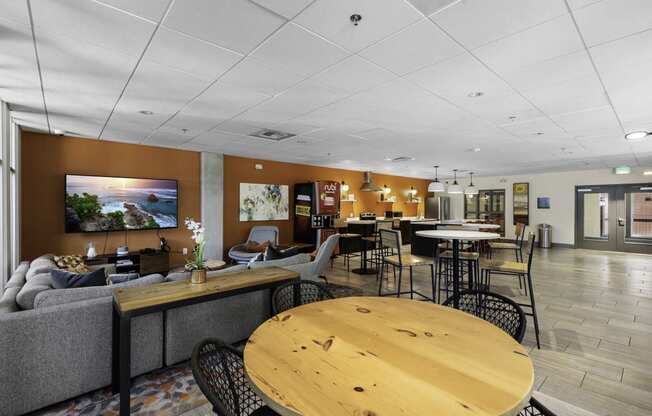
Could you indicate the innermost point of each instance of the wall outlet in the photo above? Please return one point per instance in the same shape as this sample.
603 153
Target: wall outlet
184 251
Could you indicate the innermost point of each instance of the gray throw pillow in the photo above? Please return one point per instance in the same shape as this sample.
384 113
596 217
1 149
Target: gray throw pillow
62 279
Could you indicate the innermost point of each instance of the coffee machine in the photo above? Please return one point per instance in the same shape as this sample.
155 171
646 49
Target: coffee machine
316 206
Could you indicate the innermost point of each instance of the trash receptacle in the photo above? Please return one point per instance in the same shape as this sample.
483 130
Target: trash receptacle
545 235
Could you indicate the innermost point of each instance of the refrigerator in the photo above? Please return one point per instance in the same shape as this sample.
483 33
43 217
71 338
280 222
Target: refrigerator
438 208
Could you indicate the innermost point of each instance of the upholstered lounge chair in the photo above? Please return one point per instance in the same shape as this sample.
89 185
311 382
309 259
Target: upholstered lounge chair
259 234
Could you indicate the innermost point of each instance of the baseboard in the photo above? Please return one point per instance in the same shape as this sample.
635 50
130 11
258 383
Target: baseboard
563 245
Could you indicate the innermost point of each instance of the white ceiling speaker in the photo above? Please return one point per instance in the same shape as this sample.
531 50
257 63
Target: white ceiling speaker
471 189
455 187
436 186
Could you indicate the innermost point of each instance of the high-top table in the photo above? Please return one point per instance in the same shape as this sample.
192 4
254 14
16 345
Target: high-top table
386 357
135 301
456 236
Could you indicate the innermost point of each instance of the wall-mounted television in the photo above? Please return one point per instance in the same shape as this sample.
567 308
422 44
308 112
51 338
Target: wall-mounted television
105 203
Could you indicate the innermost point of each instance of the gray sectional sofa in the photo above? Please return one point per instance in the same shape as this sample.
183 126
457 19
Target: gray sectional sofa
56 344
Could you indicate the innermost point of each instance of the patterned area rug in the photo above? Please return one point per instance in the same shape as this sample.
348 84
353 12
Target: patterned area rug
341 291
167 392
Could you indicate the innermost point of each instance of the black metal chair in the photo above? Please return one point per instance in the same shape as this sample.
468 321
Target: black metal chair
494 308
219 371
534 408
305 292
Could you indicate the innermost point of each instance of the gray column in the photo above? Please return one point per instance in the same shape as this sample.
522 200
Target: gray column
212 202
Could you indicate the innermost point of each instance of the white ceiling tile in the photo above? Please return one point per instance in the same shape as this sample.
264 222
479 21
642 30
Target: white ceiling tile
415 47
286 8
236 127
550 72
542 129
550 39
196 57
595 122
428 7
235 24
457 77
478 22
262 76
15 11
149 9
380 18
354 74
570 96
607 20
93 23
499 110
300 50
624 67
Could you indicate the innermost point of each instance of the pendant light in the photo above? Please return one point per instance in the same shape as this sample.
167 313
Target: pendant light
436 186
455 188
471 189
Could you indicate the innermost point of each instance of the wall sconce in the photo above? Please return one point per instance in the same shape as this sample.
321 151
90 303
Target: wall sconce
386 189
413 191
344 187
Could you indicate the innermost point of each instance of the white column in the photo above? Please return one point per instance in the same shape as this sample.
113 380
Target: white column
212 202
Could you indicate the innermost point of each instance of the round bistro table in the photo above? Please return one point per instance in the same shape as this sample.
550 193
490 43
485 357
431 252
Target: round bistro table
367 356
456 236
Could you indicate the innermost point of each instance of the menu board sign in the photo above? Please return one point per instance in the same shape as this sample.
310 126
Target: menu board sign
328 193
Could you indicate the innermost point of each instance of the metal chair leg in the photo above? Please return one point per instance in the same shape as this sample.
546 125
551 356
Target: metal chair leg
400 276
411 285
534 309
434 284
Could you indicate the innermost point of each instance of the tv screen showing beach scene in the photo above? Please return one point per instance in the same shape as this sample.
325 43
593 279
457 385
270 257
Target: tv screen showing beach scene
101 203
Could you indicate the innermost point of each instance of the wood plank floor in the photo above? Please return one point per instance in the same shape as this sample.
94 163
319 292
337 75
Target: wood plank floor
595 314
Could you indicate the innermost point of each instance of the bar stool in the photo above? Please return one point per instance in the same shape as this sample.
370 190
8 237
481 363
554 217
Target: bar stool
349 246
445 265
519 234
521 271
392 239
376 256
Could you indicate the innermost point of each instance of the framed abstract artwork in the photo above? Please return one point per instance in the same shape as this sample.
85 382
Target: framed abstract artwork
543 202
521 207
264 202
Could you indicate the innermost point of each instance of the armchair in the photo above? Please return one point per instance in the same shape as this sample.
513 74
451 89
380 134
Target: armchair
314 269
259 234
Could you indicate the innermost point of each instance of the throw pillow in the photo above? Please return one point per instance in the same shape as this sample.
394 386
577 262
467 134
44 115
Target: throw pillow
273 253
72 263
255 247
62 279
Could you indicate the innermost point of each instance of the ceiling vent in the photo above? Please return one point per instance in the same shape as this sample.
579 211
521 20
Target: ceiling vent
273 135
402 159
368 185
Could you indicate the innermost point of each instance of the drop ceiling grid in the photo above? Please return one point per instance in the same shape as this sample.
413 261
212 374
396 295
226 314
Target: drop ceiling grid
359 54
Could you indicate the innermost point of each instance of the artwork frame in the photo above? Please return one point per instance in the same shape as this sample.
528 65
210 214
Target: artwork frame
521 202
264 202
543 202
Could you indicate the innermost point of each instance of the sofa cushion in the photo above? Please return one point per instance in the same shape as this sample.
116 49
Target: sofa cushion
62 296
39 266
62 279
18 277
8 300
174 277
33 287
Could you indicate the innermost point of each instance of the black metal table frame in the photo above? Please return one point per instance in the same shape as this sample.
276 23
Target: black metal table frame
364 269
121 351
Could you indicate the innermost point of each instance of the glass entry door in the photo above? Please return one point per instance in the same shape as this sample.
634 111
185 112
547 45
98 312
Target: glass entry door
614 217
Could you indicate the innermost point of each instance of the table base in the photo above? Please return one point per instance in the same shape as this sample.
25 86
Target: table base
364 271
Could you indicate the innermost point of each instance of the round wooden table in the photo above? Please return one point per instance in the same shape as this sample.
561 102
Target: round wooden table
456 236
367 356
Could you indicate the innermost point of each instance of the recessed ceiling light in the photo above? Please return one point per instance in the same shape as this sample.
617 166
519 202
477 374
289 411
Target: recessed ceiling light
475 94
647 172
476 149
146 112
637 135
512 117
355 19
538 133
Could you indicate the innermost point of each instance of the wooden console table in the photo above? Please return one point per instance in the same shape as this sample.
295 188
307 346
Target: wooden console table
136 301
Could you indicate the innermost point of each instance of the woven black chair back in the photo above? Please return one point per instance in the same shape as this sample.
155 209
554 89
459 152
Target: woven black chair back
309 292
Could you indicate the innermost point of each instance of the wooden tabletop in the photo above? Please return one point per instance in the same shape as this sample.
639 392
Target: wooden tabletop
457 235
386 356
134 298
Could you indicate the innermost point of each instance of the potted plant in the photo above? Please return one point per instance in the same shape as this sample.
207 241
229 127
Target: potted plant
196 264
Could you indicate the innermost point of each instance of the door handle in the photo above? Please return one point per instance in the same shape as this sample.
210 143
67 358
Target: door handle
621 222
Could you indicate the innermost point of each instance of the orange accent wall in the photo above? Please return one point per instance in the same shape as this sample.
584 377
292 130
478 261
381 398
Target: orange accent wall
45 161
237 170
